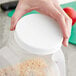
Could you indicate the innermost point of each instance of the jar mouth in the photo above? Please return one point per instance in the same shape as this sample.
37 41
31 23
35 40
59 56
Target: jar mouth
42 28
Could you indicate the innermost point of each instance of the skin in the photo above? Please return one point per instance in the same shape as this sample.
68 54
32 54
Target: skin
47 7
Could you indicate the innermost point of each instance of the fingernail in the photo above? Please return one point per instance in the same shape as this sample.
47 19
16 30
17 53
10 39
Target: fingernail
12 28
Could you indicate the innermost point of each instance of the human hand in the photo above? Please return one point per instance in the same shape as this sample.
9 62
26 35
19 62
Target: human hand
47 7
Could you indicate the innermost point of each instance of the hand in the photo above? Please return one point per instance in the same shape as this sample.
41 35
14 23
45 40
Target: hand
47 7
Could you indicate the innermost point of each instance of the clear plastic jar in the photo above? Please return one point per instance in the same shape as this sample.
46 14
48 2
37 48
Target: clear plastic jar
16 62
42 60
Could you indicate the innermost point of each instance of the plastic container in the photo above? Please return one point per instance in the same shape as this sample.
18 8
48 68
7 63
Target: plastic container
30 48
15 61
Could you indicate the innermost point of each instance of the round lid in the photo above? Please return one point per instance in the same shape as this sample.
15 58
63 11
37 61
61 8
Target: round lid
38 34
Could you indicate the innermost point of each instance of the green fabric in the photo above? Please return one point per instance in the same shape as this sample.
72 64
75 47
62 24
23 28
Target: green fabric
73 32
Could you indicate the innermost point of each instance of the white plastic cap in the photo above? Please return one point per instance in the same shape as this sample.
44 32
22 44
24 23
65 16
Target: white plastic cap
38 34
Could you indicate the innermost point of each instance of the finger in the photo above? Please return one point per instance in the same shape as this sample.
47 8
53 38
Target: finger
19 12
68 21
61 20
65 30
69 26
65 42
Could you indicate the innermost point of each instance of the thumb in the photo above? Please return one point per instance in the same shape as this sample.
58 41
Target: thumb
19 12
